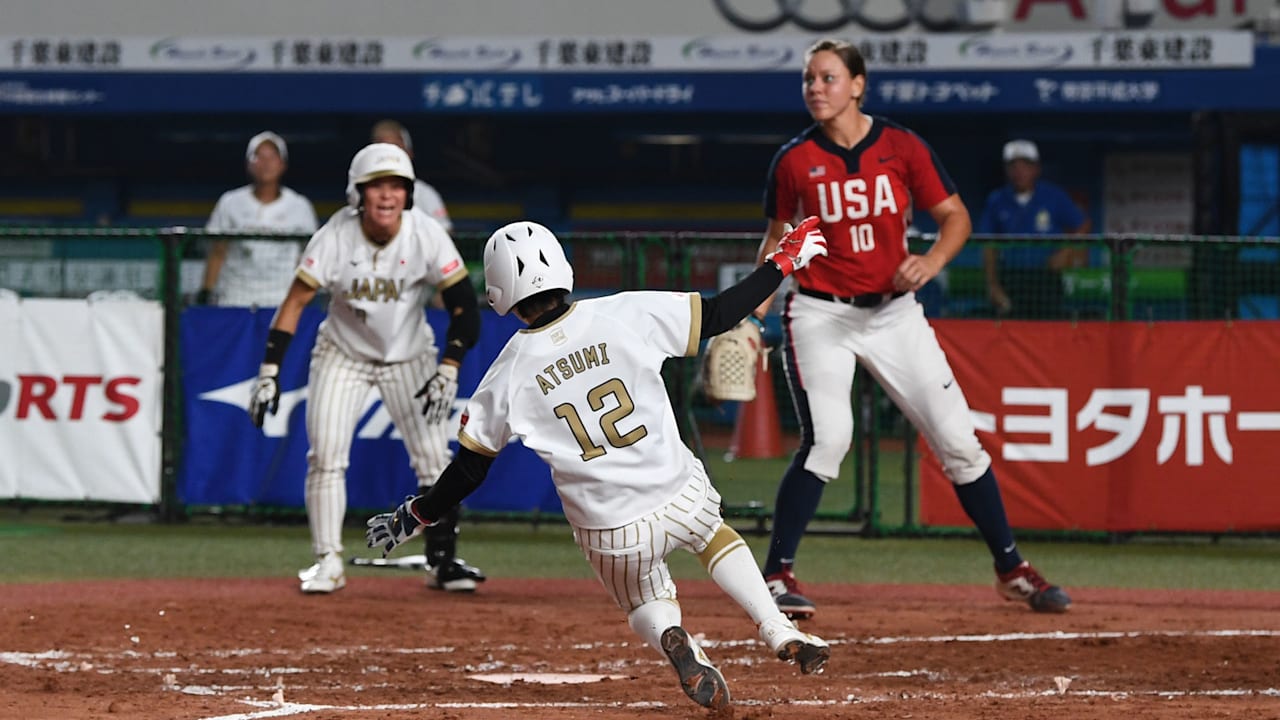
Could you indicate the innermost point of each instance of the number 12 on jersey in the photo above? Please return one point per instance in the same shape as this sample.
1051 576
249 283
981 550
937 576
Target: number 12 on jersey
596 397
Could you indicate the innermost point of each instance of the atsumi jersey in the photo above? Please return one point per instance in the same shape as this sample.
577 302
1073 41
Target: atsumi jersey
585 392
863 195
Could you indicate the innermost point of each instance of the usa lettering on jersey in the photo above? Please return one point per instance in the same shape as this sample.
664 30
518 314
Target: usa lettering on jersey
841 199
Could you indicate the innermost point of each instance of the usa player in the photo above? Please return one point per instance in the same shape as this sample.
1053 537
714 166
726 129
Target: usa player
860 174
582 387
380 260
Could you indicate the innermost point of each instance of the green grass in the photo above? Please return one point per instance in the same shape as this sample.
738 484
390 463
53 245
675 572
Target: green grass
41 546
41 543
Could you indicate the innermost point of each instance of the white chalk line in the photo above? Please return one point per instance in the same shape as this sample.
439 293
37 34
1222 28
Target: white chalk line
271 710
63 661
1059 635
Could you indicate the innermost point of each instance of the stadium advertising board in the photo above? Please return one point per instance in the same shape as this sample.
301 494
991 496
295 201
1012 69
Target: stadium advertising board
1121 50
988 72
228 461
1120 426
449 18
80 410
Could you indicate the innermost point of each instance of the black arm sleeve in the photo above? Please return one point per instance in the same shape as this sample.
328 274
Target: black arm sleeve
727 309
464 319
277 343
461 478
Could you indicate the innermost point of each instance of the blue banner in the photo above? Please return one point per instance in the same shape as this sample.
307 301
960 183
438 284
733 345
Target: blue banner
914 91
228 461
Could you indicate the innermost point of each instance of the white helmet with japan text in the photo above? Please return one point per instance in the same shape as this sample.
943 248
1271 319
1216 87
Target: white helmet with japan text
521 260
376 161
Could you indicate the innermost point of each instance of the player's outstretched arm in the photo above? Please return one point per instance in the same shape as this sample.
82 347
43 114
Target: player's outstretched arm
798 247
461 478
265 396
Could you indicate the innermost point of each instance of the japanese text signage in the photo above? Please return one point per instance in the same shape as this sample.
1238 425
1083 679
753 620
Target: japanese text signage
993 51
1121 426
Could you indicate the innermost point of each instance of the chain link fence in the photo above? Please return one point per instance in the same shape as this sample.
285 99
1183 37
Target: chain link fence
1144 278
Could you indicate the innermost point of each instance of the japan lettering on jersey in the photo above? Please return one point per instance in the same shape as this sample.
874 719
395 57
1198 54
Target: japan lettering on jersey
863 196
378 292
585 392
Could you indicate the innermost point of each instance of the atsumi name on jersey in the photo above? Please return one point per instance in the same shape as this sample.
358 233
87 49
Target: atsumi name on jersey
575 363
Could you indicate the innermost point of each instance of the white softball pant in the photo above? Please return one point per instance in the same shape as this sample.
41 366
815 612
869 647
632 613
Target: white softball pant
631 560
337 390
824 341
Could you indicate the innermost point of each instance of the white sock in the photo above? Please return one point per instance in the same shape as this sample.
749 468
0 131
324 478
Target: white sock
734 569
650 619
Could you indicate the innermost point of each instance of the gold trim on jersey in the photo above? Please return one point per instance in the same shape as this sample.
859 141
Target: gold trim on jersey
457 277
467 442
695 324
307 279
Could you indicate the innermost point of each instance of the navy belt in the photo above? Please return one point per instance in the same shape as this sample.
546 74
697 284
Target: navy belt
866 300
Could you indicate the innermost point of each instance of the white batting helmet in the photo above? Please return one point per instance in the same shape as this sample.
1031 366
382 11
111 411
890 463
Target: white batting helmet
521 260
376 161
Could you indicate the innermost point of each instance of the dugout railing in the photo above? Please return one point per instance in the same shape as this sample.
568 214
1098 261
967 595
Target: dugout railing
1119 277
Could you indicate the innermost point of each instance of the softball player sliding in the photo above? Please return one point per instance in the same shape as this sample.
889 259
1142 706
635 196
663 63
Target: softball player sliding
861 175
582 387
380 260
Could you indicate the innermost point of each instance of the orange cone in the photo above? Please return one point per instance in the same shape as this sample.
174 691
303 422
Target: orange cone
758 430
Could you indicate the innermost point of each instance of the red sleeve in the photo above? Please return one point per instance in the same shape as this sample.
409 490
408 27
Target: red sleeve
781 198
928 181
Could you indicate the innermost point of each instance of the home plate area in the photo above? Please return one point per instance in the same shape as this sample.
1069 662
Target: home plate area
386 647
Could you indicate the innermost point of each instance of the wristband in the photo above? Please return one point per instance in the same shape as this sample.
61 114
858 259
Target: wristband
783 261
277 343
414 512
454 350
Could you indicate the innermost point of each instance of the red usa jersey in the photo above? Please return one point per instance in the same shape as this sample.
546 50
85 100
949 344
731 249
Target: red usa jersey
861 195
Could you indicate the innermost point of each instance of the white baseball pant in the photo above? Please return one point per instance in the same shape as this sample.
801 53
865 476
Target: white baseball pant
337 388
896 344
631 560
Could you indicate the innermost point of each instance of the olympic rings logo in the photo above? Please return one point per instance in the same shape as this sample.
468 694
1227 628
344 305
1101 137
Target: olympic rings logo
845 12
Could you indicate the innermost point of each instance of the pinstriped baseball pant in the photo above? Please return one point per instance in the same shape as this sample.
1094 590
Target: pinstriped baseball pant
631 560
337 389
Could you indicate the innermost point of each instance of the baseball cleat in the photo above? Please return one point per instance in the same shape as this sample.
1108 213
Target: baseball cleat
810 652
699 679
325 576
1024 584
454 576
786 593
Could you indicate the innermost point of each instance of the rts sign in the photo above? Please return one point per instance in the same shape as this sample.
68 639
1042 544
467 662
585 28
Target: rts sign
65 398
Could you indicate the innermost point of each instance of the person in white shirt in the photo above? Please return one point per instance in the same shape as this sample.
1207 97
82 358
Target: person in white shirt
253 272
425 197
380 259
582 387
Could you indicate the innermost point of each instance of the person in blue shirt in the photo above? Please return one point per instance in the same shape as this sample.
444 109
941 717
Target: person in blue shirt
1025 281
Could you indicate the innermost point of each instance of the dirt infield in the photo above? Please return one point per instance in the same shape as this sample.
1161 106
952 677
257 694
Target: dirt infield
386 647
